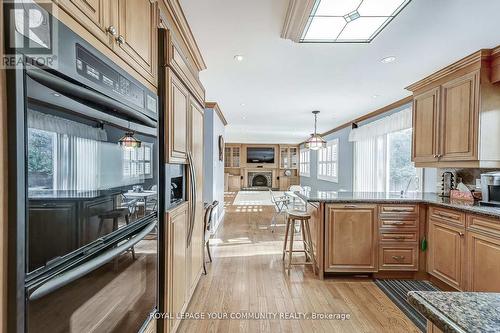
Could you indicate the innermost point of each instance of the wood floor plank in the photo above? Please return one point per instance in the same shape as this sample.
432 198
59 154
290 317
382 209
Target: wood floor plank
247 276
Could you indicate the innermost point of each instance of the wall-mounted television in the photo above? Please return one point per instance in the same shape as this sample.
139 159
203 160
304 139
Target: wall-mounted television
260 155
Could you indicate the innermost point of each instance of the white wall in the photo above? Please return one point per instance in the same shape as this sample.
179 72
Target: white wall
213 187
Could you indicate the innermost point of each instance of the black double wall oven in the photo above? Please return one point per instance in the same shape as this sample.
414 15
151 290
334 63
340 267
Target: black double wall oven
85 198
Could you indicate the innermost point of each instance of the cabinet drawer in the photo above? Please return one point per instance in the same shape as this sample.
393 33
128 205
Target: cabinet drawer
398 223
484 224
398 236
398 257
396 210
447 215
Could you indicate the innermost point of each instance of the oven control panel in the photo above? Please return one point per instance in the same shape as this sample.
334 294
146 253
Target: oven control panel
97 71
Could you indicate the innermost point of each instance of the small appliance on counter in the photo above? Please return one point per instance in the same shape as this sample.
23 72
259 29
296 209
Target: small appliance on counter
447 183
490 187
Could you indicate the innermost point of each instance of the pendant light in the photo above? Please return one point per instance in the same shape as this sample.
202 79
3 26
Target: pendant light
315 142
129 142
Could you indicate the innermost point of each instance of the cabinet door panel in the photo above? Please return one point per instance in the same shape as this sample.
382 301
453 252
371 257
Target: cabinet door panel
351 239
483 264
176 290
446 247
137 28
196 247
459 119
93 15
425 117
177 120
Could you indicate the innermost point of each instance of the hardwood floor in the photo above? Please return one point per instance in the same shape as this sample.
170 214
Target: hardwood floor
247 276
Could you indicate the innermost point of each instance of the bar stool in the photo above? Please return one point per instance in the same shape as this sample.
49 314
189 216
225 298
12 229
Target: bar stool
303 217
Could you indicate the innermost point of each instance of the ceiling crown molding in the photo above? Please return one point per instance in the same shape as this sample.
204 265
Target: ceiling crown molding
216 108
297 14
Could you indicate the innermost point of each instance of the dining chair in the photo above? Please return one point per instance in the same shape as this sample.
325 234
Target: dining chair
207 223
281 204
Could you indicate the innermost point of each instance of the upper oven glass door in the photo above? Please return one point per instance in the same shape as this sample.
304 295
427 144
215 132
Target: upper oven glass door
84 186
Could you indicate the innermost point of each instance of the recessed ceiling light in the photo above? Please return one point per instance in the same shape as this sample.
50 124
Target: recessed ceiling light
388 60
242 104
375 96
244 117
238 58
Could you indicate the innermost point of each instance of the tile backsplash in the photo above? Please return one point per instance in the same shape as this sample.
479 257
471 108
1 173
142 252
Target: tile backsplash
468 176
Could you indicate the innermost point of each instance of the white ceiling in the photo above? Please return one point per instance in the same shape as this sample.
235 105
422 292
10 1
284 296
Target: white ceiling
281 82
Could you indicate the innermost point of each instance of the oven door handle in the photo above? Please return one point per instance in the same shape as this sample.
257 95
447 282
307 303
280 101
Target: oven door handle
74 274
192 173
65 87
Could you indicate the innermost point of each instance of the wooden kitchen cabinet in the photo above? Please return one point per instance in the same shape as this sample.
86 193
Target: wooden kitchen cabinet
176 287
446 254
425 126
289 157
459 119
137 39
177 106
455 110
351 238
483 262
94 15
232 156
127 27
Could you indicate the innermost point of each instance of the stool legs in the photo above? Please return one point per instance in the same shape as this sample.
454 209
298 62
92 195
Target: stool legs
287 227
306 239
292 233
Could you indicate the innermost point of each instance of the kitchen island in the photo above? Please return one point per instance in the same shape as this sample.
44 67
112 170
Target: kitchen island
452 312
387 233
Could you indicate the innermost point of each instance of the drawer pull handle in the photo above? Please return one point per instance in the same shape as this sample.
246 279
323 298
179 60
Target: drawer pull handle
398 257
120 39
453 217
350 206
112 30
398 223
399 237
461 234
402 210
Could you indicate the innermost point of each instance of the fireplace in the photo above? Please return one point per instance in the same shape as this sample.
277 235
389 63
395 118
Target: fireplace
260 179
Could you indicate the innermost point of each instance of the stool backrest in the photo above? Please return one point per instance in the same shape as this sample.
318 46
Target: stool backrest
295 188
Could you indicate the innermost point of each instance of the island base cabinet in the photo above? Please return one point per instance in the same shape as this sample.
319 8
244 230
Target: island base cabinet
446 253
483 262
351 238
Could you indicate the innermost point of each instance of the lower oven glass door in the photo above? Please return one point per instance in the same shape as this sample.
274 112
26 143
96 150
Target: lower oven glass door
114 297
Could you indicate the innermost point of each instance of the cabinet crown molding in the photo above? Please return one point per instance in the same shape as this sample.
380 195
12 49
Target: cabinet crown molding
218 111
478 58
297 14
175 9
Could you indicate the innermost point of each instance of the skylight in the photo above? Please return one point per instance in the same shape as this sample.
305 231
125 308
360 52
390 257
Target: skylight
349 21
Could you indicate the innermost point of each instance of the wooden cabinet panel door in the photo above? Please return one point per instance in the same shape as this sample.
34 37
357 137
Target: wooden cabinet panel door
176 261
446 253
351 238
137 40
425 120
177 119
93 15
483 264
459 119
196 246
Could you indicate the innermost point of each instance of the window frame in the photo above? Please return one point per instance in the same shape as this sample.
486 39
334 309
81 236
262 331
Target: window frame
334 161
305 163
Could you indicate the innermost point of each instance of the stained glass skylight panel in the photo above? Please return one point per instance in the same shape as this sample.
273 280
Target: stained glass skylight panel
349 21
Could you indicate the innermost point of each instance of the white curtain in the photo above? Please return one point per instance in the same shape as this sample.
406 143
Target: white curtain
393 123
370 151
77 151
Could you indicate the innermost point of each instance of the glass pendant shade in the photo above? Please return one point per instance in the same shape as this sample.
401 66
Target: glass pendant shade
128 141
315 142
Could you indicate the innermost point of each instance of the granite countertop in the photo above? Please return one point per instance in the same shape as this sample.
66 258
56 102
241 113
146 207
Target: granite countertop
457 312
396 198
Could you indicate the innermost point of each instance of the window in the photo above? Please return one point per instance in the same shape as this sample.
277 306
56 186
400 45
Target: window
382 156
137 162
305 163
328 162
